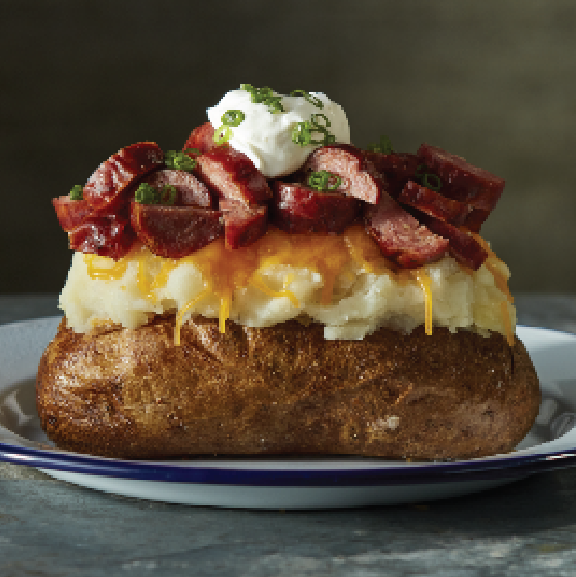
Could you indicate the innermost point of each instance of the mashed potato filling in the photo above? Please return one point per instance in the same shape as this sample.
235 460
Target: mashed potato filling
341 281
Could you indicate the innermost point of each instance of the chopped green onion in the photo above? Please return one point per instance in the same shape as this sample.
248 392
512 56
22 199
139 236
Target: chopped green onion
320 180
384 147
426 178
222 135
420 171
314 120
264 95
302 132
261 95
76 192
192 151
435 185
233 117
179 161
147 194
169 194
307 96
274 104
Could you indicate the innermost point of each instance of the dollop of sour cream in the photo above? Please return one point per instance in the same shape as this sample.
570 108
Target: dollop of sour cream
266 137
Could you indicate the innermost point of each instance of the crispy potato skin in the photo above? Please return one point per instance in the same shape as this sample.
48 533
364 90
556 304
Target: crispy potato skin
284 390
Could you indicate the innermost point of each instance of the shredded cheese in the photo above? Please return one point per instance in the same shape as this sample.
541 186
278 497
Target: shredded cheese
146 260
259 283
224 270
224 311
426 284
364 251
103 268
185 309
500 280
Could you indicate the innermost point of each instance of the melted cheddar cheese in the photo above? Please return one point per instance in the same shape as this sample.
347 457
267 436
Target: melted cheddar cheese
341 281
230 269
425 282
103 268
495 265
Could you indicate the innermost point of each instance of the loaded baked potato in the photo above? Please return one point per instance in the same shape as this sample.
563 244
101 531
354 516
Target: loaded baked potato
258 294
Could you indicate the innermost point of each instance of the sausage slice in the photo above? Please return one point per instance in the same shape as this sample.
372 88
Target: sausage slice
233 176
107 235
175 231
358 176
104 191
464 182
433 203
463 247
243 225
201 138
401 237
190 191
298 209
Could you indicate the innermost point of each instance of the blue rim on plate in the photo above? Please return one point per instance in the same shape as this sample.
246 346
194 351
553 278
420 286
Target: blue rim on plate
18 365
512 467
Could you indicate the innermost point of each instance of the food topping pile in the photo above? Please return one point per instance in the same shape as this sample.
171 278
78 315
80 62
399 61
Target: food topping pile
270 179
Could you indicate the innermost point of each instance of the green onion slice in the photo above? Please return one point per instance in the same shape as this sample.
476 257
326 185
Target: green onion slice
147 194
314 119
303 132
428 179
76 192
274 104
432 181
179 161
383 147
233 117
192 151
321 180
222 135
307 96
264 95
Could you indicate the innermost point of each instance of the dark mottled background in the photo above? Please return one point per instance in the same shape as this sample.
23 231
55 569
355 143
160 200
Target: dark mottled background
492 81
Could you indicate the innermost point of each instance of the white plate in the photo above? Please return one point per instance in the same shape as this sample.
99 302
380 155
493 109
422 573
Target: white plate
287 483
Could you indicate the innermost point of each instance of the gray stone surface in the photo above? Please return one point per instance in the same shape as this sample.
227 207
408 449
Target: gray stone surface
54 529
14 308
50 528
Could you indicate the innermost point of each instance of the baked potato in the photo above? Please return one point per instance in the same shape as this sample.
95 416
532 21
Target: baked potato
284 390
273 289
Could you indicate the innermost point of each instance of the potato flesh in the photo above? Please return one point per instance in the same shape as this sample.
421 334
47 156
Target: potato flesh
361 301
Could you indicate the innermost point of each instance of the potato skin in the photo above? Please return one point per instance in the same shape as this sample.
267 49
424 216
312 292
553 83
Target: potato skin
284 390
